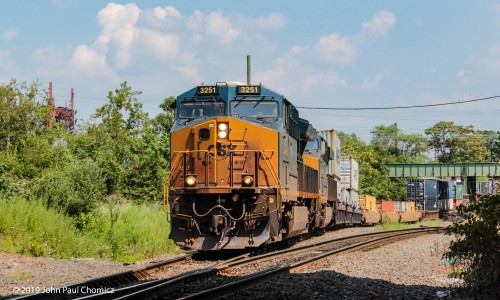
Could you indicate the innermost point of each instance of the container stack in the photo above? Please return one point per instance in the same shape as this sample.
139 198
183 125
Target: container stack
334 167
424 193
349 175
368 202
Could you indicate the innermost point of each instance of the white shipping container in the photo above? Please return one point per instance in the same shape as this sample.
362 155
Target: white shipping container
333 141
349 173
345 196
404 206
354 198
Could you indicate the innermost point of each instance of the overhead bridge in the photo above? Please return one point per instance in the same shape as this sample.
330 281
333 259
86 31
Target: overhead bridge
444 170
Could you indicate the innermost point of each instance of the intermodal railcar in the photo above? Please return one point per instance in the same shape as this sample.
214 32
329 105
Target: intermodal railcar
247 171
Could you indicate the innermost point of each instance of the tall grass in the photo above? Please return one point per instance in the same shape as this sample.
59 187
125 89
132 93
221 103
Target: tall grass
387 224
136 232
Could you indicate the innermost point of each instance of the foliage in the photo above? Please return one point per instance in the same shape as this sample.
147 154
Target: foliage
21 113
398 143
46 232
456 143
373 169
42 232
74 190
475 252
387 224
492 143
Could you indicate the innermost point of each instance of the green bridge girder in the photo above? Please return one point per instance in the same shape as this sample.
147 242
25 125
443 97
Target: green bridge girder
444 170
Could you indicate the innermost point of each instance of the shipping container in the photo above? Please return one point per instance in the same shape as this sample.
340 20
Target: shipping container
420 189
397 205
458 202
445 189
459 192
385 205
345 196
451 205
368 202
484 187
431 205
349 173
332 138
407 206
354 198
411 206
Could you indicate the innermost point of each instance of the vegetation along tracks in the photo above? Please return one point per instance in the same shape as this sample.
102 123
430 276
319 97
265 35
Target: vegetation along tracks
244 271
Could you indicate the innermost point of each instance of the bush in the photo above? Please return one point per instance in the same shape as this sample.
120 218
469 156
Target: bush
475 253
75 190
131 233
28 228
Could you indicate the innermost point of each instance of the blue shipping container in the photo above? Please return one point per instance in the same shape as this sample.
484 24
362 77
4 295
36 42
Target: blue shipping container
420 189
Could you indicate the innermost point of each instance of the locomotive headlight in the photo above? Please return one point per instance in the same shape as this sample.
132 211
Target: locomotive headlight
190 181
222 126
223 130
247 180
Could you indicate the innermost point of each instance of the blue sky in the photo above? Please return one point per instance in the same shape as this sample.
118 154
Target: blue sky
317 53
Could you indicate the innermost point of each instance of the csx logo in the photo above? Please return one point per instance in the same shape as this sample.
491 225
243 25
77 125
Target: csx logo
222 149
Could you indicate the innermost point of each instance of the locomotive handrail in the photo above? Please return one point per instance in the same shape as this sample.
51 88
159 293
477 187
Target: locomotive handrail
264 155
166 186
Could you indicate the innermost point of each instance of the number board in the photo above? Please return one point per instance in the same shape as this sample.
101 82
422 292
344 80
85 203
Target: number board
248 90
207 90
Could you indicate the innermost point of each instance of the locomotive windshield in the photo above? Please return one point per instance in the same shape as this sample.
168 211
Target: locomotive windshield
255 108
191 110
312 145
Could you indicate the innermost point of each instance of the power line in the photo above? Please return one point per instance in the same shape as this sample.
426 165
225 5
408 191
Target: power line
399 107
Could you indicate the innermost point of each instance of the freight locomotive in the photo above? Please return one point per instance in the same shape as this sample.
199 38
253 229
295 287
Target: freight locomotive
247 171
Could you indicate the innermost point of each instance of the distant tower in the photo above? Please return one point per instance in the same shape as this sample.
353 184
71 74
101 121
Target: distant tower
60 114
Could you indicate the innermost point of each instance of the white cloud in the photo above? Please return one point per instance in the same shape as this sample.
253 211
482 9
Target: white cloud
118 27
334 48
190 74
195 21
168 11
220 26
380 23
371 84
9 34
89 63
272 22
462 77
160 45
315 80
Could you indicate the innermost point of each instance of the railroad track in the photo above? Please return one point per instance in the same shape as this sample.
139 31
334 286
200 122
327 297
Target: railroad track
244 271
140 276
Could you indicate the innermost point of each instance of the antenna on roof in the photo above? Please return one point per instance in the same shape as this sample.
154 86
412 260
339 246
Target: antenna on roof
248 70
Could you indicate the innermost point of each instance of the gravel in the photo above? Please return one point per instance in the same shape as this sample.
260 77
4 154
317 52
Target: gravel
412 269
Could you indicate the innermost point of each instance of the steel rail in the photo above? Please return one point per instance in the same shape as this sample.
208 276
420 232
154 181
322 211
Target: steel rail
152 289
266 275
110 281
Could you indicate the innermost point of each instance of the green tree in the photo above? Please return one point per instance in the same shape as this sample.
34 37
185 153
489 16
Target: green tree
23 111
456 143
492 143
411 146
475 252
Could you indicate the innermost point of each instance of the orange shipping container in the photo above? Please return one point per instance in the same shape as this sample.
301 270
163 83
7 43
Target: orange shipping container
385 205
368 202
